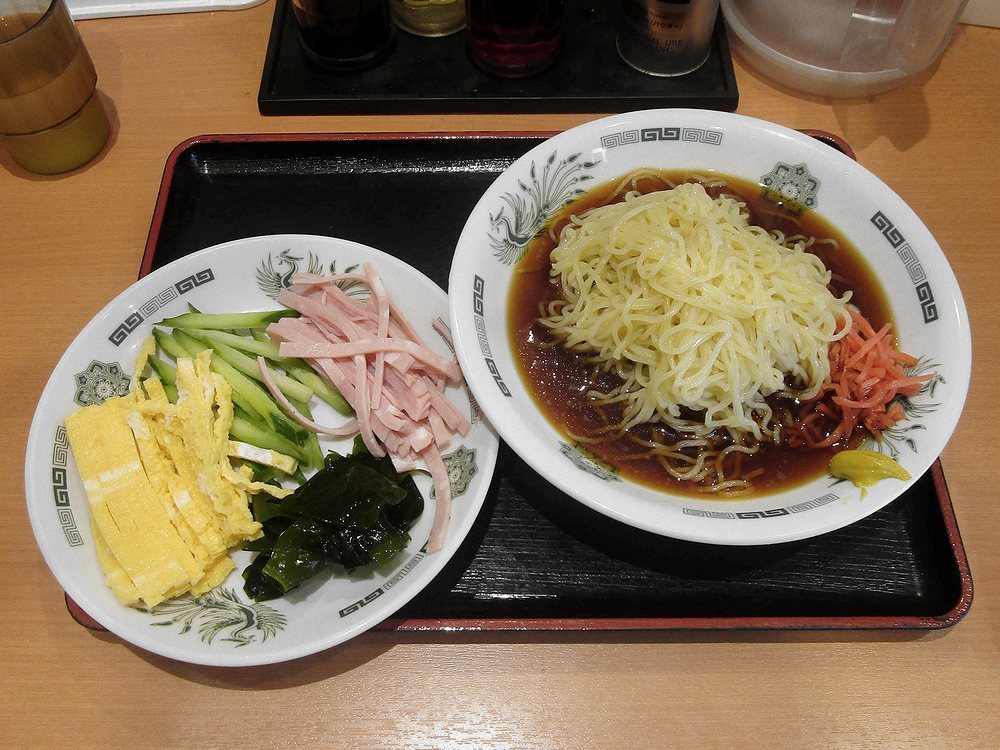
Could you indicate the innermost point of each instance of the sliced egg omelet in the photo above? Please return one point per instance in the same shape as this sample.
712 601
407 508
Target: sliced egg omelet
166 504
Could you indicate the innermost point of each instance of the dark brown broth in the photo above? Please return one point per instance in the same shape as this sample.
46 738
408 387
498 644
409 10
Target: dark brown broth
558 380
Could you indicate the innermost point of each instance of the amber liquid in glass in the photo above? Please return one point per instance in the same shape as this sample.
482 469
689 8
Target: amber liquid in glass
429 17
51 118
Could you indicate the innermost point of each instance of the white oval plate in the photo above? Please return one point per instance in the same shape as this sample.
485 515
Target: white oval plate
224 627
929 313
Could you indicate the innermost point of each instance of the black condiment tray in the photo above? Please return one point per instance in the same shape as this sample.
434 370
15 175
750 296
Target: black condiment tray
434 76
537 559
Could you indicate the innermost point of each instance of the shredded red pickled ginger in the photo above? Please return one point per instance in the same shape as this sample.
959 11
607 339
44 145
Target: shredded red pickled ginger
866 377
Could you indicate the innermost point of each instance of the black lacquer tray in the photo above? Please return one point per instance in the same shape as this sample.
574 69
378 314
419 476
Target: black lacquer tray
433 75
537 559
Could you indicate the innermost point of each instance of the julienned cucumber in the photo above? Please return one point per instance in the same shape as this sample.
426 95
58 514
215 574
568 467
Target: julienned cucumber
257 344
249 389
227 321
323 390
302 372
236 340
249 367
246 344
248 432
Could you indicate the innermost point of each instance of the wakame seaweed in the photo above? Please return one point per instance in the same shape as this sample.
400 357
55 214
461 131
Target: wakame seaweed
355 511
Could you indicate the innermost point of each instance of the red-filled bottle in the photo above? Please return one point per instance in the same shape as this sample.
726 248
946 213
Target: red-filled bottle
514 38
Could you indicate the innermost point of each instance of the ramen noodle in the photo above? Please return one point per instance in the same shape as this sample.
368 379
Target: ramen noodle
701 314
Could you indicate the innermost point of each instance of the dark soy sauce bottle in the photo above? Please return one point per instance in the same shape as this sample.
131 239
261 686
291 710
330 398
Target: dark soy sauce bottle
345 35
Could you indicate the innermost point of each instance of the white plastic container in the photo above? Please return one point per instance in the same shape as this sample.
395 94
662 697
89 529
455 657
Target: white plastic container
841 48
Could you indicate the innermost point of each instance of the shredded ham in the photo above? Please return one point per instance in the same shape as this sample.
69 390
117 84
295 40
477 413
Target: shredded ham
394 382
377 345
349 427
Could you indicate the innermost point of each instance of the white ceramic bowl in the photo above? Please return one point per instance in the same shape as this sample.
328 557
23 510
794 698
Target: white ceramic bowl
224 627
927 306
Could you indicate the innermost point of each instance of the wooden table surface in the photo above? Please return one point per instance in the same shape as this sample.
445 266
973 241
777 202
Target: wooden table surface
69 244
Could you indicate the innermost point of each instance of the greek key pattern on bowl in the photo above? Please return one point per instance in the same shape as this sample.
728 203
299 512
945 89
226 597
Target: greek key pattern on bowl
751 515
369 598
156 302
645 135
60 489
925 296
478 286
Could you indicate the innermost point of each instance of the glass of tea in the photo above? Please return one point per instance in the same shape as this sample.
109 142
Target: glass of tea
51 117
513 38
345 35
429 17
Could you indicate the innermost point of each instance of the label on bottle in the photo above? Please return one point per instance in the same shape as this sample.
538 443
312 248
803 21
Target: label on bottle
666 37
